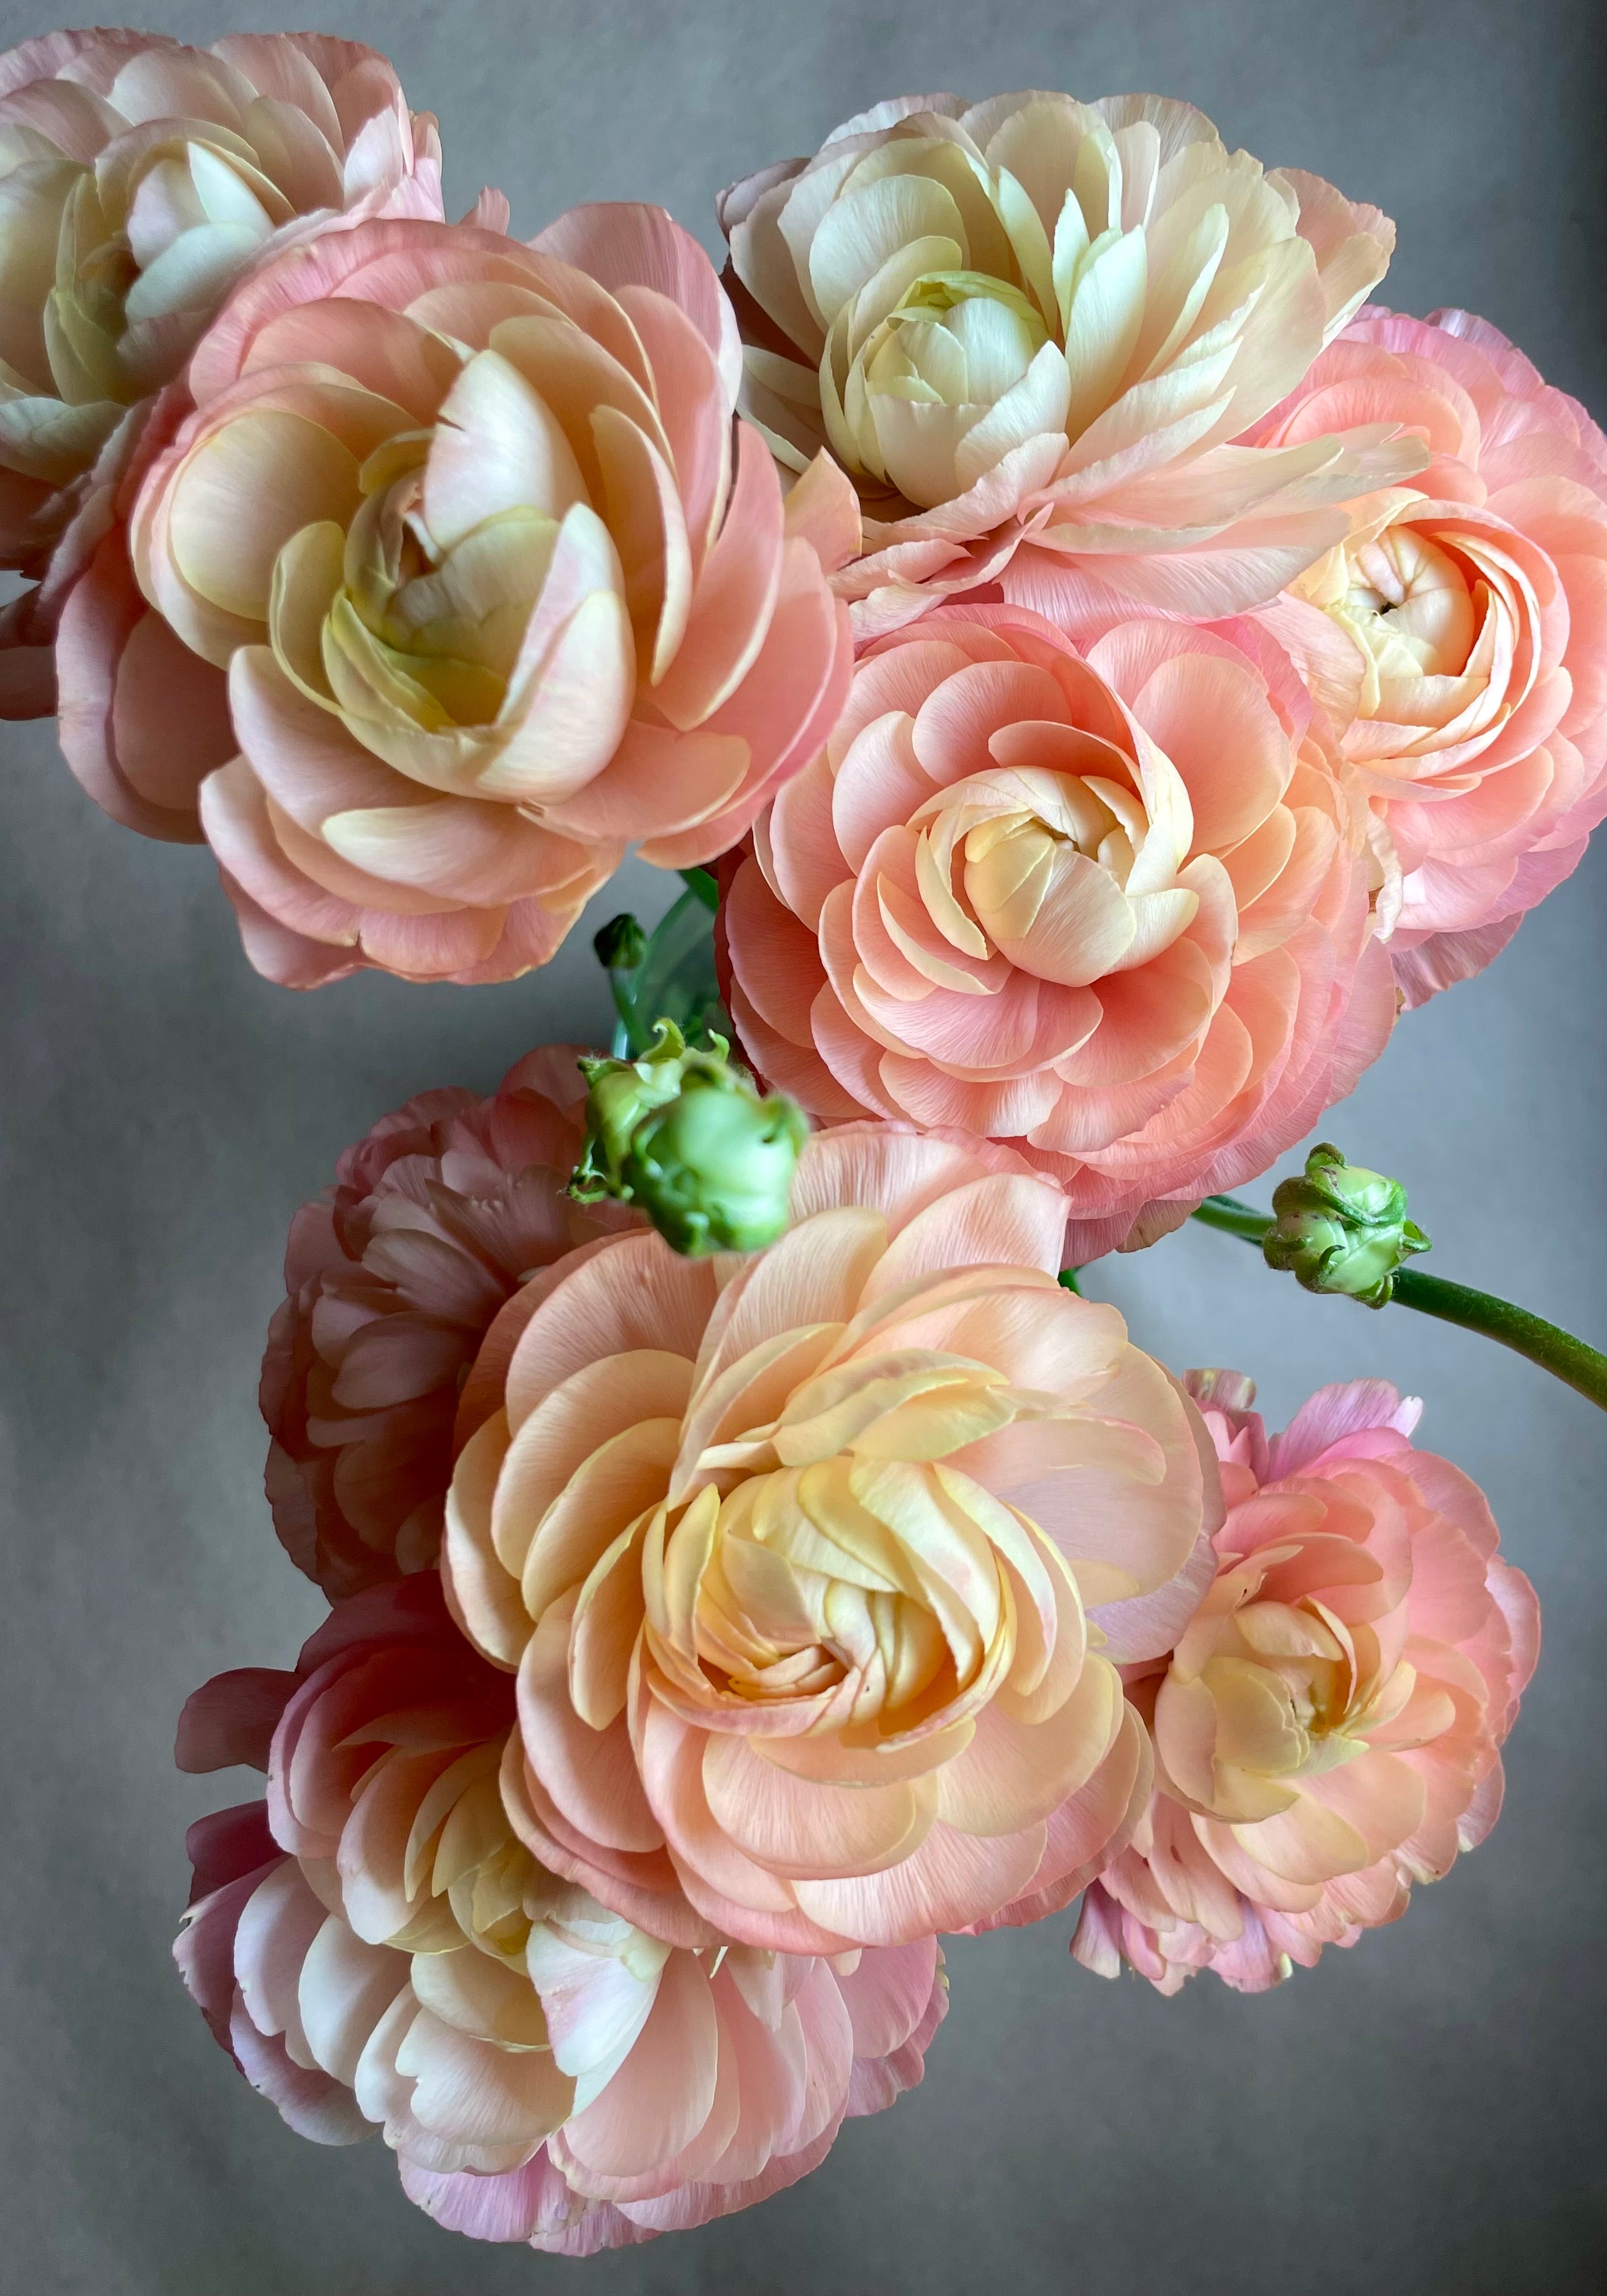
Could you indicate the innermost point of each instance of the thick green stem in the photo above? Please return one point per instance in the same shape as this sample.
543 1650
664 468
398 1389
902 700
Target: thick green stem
1582 1367
1234 1218
701 882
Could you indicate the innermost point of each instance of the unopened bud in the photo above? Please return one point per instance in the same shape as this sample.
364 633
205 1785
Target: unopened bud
1342 1228
621 945
688 1137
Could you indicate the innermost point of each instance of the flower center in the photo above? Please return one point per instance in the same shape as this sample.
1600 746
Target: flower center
1062 874
1414 610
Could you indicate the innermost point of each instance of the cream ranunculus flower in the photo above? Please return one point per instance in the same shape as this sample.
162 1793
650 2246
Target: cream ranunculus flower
1456 638
813 1563
138 179
498 583
376 1947
1028 329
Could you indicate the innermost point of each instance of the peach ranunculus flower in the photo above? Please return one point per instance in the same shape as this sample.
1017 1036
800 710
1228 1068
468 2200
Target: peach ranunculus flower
1458 638
1113 911
813 1564
1327 1730
1031 331
375 1946
138 179
392 1278
498 584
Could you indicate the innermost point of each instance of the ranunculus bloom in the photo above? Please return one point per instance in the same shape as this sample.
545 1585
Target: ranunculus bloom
1112 910
393 1277
498 584
1029 330
138 179
1327 1729
374 1946
1458 638
791 1554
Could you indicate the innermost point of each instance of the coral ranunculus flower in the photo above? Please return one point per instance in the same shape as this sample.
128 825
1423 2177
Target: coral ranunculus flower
1458 638
1113 911
138 180
498 584
1327 1730
792 1556
375 1946
1029 330
393 1278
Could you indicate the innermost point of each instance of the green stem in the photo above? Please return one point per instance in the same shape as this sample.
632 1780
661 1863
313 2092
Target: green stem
1234 1218
1583 1368
625 1006
703 884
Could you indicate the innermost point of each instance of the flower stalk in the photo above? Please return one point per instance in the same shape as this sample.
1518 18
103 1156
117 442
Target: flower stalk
1565 1356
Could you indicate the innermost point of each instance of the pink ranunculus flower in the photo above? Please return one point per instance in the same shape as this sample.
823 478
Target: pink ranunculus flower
1112 909
1327 1729
138 180
1458 638
1031 331
498 584
392 1279
375 1946
800 1558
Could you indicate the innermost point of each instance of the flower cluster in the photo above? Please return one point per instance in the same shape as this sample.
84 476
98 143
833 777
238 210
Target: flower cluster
1099 667
712 1631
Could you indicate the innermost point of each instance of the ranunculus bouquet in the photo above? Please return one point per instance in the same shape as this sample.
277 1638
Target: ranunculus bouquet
1092 667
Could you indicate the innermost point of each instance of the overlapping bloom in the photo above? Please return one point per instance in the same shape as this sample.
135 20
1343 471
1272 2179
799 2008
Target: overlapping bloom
138 180
1030 329
1327 1729
1112 910
375 1946
393 1278
797 1559
1458 638
499 584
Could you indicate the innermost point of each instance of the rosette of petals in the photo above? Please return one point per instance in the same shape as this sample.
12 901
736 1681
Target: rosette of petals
1327 1729
499 584
810 1563
1113 911
392 1278
1029 330
1458 637
138 180
376 1947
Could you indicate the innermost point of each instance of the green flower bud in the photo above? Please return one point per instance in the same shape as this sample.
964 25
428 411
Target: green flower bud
688 1138
621 945
1342 1228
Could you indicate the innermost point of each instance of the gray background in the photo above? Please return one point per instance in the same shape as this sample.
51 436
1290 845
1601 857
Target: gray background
1424 2112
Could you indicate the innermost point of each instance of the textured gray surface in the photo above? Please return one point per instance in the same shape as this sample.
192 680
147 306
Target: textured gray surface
1425 2113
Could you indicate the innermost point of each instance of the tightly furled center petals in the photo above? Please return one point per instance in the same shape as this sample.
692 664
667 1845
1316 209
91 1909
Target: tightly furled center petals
793 1556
